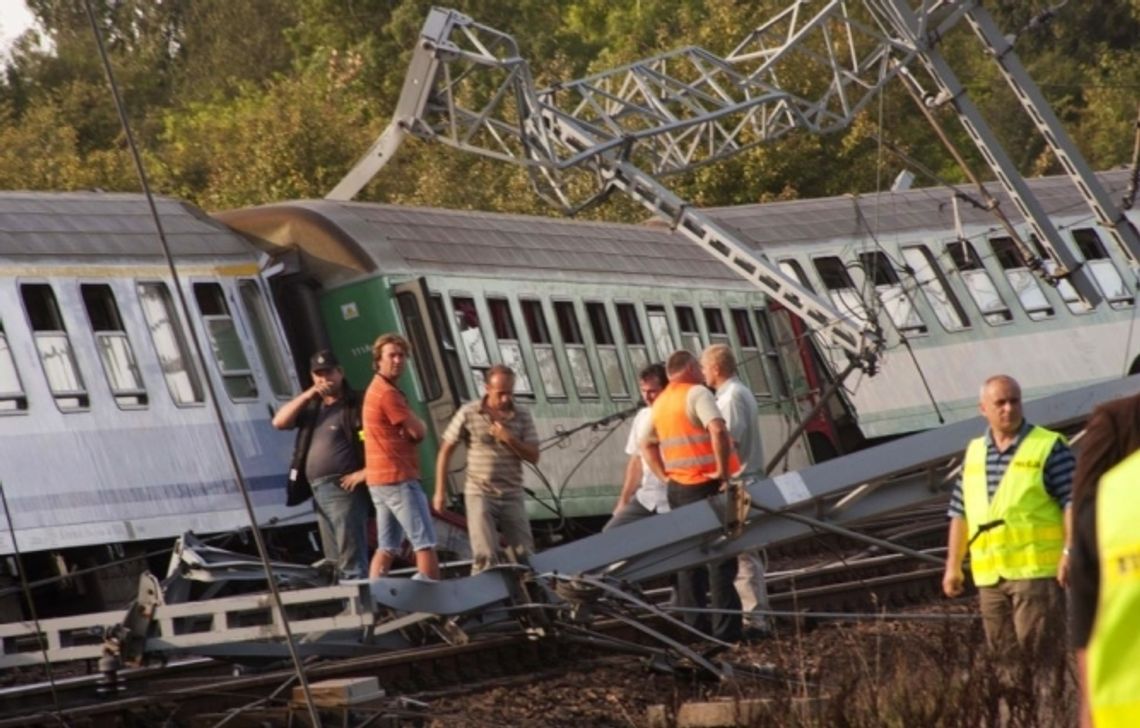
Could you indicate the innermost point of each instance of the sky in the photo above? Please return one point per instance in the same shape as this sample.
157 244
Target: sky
14 19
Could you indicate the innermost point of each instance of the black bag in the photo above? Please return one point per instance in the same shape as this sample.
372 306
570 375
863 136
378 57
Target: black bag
297 489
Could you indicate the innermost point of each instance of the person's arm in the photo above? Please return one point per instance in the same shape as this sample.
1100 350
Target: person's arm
442 463
630 484
526 450
286 417
1084 713
398 412
953 582
1063 565
722 447
651 451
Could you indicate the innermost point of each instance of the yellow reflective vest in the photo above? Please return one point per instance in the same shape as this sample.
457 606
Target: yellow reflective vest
1114 649
1028 542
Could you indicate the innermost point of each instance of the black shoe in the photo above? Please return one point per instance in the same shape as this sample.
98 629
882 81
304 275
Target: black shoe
756 634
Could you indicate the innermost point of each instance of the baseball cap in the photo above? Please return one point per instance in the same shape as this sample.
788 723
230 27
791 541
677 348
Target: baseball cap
323 359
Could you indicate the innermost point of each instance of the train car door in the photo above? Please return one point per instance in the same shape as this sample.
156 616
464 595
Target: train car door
434 355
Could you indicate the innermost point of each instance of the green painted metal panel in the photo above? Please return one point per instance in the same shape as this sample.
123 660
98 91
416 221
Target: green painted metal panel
354 316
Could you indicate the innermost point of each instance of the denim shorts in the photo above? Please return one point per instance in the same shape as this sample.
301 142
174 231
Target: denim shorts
402 508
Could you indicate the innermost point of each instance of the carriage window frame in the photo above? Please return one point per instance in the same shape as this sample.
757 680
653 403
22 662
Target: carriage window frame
633 334
881 273
613 369
453 366
792 269
179 371
13 399
574 344
45 319
265 338
507 337
660 330
113 345
688 329
929 277
542 346
752 353
1065 289
979 284
1022 280
840 287
473 339
218 321
422 361
1104 270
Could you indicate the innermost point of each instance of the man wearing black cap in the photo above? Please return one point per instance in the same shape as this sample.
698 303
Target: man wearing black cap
329 456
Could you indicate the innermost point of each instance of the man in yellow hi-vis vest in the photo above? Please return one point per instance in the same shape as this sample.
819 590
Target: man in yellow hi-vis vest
1105 586
1011 510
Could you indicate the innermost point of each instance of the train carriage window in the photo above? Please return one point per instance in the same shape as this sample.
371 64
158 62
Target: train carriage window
751 356
659 330
840 288
878 269
509 346
793 270
12 397
225 342
113 345
714 322
422 358
978 282
634 338
929 278
607 350
575 347
690 333
1068 294
543 347
1113 287
471 338
1021 279
450 353
54 347
170 343
264 337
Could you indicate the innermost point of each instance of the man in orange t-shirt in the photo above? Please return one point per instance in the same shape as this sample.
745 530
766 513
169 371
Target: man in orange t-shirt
392 470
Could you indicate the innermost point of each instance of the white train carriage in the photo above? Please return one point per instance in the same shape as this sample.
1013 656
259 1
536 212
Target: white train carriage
106 433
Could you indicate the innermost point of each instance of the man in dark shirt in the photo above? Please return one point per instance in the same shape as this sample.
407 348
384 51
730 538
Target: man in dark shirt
329 454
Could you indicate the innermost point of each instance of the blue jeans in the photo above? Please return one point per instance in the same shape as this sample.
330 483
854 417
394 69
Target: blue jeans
402 508
342 519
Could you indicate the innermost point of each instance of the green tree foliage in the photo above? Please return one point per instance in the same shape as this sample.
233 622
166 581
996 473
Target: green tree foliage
244 103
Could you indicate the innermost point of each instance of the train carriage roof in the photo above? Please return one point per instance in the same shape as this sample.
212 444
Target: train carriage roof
779 224
362 237
108 225
341 240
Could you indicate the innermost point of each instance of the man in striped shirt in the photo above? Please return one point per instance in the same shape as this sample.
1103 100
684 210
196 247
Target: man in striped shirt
1011 511
499 436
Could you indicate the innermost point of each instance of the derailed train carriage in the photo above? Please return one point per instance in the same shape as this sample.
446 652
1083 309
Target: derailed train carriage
108 445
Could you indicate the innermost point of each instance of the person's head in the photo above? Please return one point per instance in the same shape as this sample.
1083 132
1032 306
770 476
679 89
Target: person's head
651 381
324 368
390 355
718 365
1000 404
681 366
500 388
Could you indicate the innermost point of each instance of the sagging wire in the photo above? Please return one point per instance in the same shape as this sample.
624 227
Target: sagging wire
247 500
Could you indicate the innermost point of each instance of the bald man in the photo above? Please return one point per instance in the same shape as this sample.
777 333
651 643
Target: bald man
1011 511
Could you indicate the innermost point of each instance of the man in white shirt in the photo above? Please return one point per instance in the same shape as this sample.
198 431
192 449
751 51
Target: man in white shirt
642 492
742 418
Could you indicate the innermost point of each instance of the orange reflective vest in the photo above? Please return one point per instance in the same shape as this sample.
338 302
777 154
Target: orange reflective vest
686 447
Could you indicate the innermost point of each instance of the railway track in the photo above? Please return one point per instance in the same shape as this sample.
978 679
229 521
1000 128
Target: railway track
154 694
